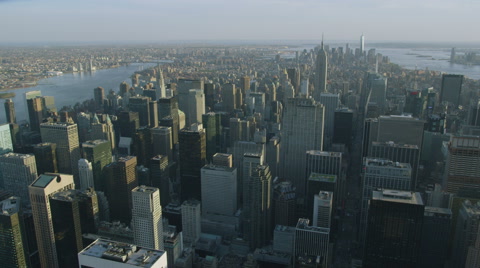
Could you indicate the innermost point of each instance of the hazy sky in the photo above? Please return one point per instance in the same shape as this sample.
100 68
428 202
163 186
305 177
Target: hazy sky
166 20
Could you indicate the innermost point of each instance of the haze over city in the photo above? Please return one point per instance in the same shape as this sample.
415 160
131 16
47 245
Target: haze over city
53 21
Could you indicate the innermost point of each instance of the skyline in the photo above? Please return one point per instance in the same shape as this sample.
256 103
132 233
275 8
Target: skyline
216 20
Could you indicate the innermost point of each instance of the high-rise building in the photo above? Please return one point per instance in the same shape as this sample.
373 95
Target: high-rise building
142 145
229 97
219 189
376 87
400 129
6 144
321 66
213 130
103 131
466 233
192 145
99 154
162 142
173 244
284 204
311 243
462 168
169 107
40 192
451 89
99 96
45 157
196 106
394 234
160 88
303 126
147 217
183 91
382 173
322 209
104 254
325 163
159 175
68 150
140 105
121 179
35 113
245 84
10 111
257 207
224 160
128 123
437 225
330 102
85 172
362 43
14 246
18 171
153 107
320 183
191 221
343 127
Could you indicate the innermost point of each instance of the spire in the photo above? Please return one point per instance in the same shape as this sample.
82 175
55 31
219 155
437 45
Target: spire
95 119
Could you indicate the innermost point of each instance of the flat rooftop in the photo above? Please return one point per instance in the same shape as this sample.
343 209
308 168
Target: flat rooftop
43 180
323 153
405 197
122 252
10 206
322 177
218 168
380 162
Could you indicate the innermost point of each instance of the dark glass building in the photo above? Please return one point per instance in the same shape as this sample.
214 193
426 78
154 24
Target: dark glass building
192 158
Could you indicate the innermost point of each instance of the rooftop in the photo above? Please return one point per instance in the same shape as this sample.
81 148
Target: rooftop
15 155
145 189
218 168
122 252
322 177
94 142
413 198
384 163
43 180
323 153
393 144
430 211
303 224
10 206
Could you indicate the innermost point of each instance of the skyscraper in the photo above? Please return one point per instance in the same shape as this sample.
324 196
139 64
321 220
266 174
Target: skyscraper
99 154
213 130
183 91
99 96
284 204
330 102
147 217
219 190
320 73
40 192
45 157
394 232
228 96
160 88
141 106
35 113
400 129
196 106
169 107
310 243
191 220
325 163
121 179
10 111
192 159
162 142
6 144
343 127
257 207
437 225
362 43
18 171
303 126
68 151
376 87
451 89
85 173
128 123
13 249
103 131
159 174
323 209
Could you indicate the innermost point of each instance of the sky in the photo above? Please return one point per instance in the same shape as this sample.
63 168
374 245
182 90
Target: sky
23 21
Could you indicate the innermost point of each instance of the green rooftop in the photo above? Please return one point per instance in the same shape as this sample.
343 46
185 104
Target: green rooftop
43 180
322 177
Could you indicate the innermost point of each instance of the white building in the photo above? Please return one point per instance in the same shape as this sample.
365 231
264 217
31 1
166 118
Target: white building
147 217
191 221
322 209
219 190
110 254
196 106
85 172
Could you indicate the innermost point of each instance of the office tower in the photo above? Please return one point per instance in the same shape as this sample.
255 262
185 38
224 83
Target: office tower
284 204
294 77
159 174
435 237
192 145
451 89
219 190
320 73
124 87
362 43
326 163
35 113
6 144
142 145
394 234
183 91
121 179
310 243
18 171
415 103
105 253
99 96
191 221
228 96
128 123
162 141
466 232
10 111
400 129
382 173
196 106
245 84
45 157
240 130
224 160
303 126
370 133
272 156
322 209
213 131
103 131
257 207
140 105
160 88
330 102
343 127
147 217
462 164
15 134
85 173
209 91
40 192
153 107
320 183
99 154
169 107
173 244
376 87
84 126
73 213
68 151
13 249
473 118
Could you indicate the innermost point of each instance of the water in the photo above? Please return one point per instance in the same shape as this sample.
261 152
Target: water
71 88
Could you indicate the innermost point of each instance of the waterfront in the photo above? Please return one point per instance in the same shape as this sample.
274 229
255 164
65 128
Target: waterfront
71 88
